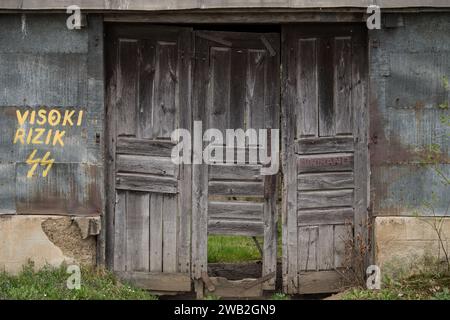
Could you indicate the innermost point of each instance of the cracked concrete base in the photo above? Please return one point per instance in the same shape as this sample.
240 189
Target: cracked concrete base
46 240
409 245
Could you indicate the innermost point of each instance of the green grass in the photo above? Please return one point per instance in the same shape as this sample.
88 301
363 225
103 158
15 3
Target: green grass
232 249
50 284
433 286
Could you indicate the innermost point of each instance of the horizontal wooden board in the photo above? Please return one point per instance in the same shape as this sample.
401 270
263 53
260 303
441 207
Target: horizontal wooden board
235 172
320 282
144 5
325 199
325 162
140 182
134 146
328 180
245 288
236 188
236 227
235 210
158 281
145 164
324 145
325 216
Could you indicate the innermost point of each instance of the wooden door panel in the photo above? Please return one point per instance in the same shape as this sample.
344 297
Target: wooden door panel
324 143
150 199
236 86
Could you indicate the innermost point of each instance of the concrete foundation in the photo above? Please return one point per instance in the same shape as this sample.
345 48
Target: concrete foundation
46 240
410 244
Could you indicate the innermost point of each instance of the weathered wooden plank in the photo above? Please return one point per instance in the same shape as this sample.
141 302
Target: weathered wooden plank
143 5
324 145
289 212
127 87
320 282
237 89
325 199
137 230
110 144
327 125
165 108
361 130
307 88
245 288
291 16
235 172
236 188
325 162
321 181
255 88
343 235
218 102
236 227
343 85
139 182
307 248
325 216
170 243
147 57
156 281
200 172
156 237
145 164
185 176
325 244
120 232
235 210
134 146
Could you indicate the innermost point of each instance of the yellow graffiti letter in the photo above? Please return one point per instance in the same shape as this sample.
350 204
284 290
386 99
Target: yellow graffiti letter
47 162
21 118
58 137
68 117
20 135
33 163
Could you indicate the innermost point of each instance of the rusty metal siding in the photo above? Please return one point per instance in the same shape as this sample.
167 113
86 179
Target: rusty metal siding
44 66
408 69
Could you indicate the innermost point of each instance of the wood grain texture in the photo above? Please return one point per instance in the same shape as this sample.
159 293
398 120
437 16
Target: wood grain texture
323 181
160 166
324 145
135 146
140 182
325 199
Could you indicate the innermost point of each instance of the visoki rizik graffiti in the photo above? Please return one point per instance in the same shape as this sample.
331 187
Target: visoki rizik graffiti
38 127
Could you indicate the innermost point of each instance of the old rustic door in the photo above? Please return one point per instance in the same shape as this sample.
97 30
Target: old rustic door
236 86
325 154
149 197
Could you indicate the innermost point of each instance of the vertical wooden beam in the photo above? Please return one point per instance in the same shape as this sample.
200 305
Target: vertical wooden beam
289 217
361 155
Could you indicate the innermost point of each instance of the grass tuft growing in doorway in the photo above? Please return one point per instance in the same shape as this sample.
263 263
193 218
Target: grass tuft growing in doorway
50 283
232 249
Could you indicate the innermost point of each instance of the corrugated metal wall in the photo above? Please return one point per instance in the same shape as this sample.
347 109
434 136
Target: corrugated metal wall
409 68
58 73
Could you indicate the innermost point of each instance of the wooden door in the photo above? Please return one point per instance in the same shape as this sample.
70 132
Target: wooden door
236 86
325 154
149 197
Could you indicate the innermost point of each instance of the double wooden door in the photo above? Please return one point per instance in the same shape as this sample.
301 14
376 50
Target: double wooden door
159 213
